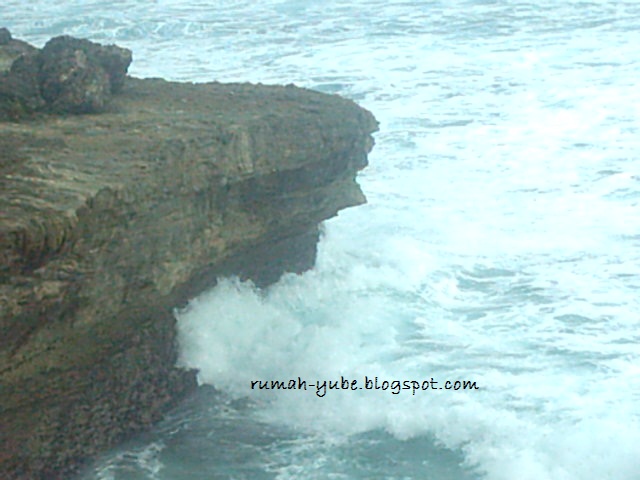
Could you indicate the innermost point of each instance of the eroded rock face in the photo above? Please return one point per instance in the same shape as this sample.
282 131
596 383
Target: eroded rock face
109 222
69 75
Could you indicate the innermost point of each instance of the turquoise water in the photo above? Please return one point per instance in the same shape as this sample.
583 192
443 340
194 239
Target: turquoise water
500 244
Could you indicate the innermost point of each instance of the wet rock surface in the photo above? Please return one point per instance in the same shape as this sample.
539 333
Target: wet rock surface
108 222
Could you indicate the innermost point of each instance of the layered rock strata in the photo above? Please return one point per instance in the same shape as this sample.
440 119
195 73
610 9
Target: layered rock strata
108 222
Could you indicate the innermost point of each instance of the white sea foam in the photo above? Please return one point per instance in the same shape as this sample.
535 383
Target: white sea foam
539 413
500 243
144 459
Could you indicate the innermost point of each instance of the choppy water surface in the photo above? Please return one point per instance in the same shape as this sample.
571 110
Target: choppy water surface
500 244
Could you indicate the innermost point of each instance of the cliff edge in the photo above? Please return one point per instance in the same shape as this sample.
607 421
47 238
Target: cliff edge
109 221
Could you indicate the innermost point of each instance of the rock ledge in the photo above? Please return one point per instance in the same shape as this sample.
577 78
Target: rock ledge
108 222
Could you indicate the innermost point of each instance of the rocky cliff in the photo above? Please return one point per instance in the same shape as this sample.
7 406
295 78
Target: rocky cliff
109 221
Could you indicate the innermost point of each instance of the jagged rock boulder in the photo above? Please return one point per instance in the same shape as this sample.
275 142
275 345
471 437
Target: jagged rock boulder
19 88
69 75
5 36
78 76
11 49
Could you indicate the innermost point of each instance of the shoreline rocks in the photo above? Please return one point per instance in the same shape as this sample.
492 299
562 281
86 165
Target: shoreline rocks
5 36
68 75
110 221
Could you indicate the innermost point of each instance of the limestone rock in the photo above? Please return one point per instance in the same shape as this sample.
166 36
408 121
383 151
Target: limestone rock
78 76
69 75
5 36
11 49
109 222
19 88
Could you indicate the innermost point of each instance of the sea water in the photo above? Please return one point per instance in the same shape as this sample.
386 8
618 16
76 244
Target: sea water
500 245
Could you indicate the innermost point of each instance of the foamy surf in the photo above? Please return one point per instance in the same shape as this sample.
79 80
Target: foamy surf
500 243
